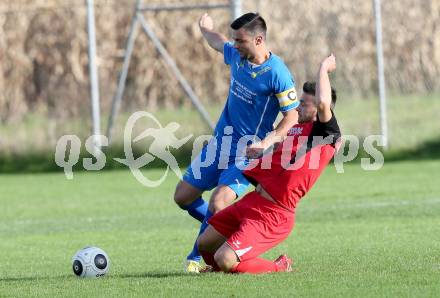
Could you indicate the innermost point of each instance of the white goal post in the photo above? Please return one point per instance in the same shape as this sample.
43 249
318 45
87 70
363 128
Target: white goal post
139 20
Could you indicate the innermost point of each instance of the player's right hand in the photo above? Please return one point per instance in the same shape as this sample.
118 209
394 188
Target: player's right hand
255 150
206 22
329 63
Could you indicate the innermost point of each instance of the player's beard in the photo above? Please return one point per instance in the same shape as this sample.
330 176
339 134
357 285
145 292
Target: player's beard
303 118
250 57
246 55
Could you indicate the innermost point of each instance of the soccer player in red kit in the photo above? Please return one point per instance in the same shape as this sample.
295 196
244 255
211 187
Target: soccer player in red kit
238 234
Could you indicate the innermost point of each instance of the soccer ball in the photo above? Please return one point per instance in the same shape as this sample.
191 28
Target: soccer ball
90 262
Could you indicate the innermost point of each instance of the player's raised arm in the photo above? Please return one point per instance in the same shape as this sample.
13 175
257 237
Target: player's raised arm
323 89
214 39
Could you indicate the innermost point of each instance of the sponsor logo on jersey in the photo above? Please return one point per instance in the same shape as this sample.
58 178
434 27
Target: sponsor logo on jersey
295 131
260 72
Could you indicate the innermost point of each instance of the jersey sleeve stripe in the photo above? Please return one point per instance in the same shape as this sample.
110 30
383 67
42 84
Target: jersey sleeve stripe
291 106
287 98
285 101
286 93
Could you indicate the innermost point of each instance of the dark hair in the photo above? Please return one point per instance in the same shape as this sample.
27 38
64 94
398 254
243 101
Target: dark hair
251 22
310 88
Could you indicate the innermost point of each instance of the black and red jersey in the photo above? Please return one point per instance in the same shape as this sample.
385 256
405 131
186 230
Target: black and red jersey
291 170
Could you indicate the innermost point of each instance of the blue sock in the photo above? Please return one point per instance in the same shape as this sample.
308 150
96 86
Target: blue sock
197 209
194 254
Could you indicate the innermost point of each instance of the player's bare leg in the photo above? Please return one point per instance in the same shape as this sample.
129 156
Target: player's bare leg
185 194
209 242
226 258
222 197
228 261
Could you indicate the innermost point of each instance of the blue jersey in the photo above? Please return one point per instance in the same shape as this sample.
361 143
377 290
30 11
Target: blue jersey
256 95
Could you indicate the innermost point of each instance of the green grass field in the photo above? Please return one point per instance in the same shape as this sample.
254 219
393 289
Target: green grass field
357 234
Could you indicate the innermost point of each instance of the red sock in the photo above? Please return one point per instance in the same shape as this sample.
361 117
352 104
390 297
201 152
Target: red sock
255 266
209 260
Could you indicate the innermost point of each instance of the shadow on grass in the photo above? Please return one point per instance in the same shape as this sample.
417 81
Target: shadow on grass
33 278
427 150
155 275
43 162
38 162
119 276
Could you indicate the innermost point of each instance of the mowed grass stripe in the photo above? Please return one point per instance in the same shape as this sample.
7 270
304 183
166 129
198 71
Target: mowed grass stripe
360 233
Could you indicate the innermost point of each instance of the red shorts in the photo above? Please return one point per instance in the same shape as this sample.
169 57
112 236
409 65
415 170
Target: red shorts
253 225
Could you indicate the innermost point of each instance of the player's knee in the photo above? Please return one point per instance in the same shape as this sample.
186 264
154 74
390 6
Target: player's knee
225 260
185 194
220 199
216 205
180 197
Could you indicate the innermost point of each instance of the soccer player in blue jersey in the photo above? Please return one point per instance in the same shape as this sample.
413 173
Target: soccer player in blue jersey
261 86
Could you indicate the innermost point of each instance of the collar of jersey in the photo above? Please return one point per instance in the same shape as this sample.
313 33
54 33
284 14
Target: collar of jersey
248 63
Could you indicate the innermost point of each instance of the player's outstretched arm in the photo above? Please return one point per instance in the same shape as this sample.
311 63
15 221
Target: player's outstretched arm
214 39
323 88
290 118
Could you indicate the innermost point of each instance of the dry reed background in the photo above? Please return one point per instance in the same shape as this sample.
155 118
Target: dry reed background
43 52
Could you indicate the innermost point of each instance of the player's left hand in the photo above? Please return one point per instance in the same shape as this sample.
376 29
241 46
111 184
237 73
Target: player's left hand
255 150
